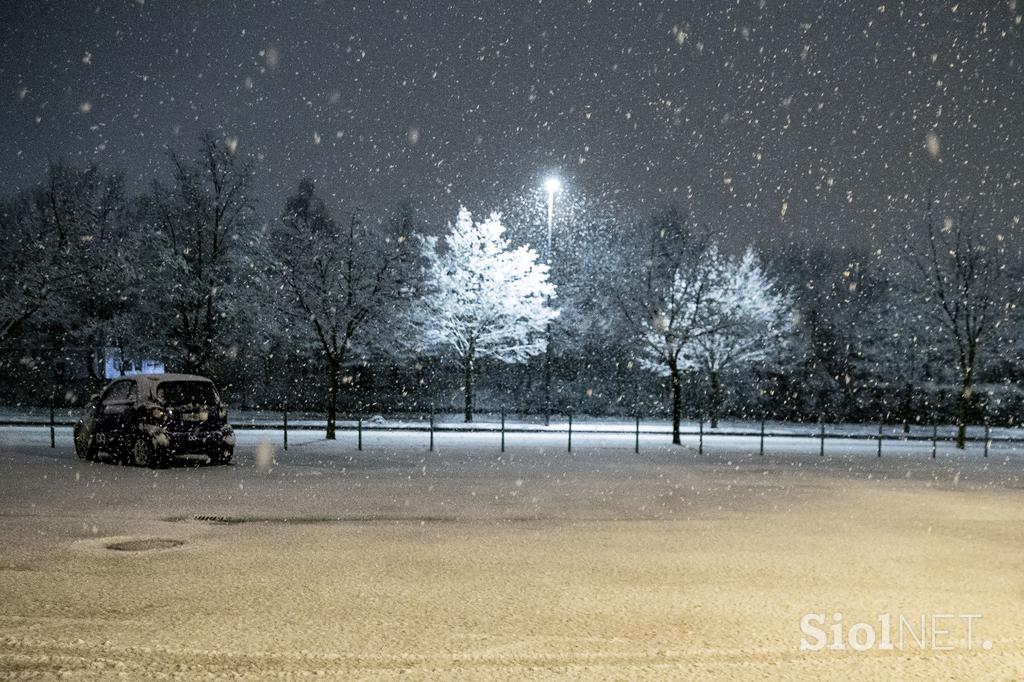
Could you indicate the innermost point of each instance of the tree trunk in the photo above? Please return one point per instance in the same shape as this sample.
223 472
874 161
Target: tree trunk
468 380
963 407
677 403
716 398
333 369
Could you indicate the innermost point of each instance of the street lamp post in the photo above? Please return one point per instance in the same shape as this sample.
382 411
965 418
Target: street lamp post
551 186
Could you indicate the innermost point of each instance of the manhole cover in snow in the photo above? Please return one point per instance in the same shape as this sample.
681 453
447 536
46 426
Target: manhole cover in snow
144 545
219 519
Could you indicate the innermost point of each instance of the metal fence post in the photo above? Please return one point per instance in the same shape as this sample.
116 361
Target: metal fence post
636 446
986 439
879 439
431 431
503 430
570 432
359 433
700 441
285 429
762 438
935 438
821 422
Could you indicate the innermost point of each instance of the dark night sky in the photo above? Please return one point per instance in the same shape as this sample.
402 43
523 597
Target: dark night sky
732 109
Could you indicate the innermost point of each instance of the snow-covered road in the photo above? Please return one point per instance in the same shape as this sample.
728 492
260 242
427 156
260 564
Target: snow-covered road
467 562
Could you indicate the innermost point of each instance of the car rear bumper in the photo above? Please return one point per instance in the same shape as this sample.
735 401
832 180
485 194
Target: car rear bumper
202 442
197 441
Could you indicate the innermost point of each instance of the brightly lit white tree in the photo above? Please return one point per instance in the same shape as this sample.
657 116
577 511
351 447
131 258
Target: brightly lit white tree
483 298
747 321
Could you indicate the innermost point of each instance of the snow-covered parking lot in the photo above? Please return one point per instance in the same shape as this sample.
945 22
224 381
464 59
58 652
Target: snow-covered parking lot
467 562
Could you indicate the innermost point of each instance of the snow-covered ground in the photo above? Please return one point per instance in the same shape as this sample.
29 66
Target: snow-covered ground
397 562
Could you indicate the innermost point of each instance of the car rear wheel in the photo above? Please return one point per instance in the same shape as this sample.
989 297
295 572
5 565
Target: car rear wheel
85 448
144 455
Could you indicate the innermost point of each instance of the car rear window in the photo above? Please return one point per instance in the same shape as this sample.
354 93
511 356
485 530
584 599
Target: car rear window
187 393
122 390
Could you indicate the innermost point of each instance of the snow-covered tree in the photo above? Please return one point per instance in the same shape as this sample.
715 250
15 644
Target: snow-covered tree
200 235
31 265
66 267
668 296
61 251
895 346
962 280
337 285
483 298
747 319
835 295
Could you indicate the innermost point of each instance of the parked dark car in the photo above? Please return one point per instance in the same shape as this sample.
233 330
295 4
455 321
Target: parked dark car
148 419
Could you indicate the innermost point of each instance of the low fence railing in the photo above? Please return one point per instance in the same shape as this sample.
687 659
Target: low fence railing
429 426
